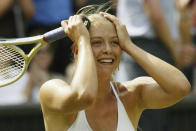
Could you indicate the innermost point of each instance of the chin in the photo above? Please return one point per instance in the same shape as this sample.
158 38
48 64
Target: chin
105 72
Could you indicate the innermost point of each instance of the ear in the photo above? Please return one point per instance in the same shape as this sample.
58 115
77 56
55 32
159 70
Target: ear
75 49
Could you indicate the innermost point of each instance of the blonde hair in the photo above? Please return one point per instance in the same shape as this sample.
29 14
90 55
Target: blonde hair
95 9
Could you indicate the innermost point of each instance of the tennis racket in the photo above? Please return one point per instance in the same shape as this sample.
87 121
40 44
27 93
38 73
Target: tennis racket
13 60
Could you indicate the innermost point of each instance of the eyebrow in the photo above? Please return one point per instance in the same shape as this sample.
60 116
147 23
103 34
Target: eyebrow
98 37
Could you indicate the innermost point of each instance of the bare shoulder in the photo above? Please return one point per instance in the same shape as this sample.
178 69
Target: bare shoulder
130 95
130 91
53 84
52 90
139 81
52 97
134 85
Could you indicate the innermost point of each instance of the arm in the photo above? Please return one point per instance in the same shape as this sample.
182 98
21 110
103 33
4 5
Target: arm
185 24
4 6
156 17
114 4
57 95
166 86
28 8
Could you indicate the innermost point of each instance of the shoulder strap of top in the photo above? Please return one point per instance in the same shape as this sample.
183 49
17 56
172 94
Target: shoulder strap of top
124 123
114 90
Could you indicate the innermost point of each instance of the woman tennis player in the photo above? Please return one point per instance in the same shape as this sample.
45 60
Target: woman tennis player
92 102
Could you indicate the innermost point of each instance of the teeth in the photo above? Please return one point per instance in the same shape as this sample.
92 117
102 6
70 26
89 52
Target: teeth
106 61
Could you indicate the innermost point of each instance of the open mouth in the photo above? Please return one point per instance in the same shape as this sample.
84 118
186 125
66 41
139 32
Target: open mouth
106 61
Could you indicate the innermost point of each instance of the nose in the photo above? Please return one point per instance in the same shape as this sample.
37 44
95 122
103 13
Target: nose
107 48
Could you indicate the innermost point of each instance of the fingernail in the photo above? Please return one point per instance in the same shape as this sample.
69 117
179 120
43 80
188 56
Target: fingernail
101 13
62 22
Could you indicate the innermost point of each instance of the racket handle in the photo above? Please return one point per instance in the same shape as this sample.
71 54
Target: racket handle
54 35
59 33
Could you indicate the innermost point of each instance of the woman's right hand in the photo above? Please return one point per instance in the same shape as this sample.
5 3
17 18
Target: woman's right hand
75 28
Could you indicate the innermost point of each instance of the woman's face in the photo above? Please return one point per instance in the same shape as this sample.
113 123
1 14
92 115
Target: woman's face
105 45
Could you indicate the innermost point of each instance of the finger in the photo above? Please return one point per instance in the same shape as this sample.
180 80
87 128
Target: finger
73 20
118 85
70 21
118 25
110 17
64 24
79 18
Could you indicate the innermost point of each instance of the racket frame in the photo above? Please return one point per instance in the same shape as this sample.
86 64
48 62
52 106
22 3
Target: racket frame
11 43
40 40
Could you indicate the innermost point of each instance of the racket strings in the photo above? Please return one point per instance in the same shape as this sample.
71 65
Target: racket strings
11 64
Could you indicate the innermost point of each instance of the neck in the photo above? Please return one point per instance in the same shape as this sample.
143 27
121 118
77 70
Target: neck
104 89
104 95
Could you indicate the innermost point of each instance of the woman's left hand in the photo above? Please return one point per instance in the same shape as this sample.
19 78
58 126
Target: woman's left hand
123 36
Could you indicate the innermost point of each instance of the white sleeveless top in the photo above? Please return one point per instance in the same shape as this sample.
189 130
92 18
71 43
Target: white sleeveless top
124 123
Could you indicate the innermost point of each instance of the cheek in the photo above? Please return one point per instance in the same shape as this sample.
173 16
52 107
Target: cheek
95 51
118 52
118 56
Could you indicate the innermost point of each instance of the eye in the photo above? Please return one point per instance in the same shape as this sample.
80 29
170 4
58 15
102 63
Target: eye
115 42
96 42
